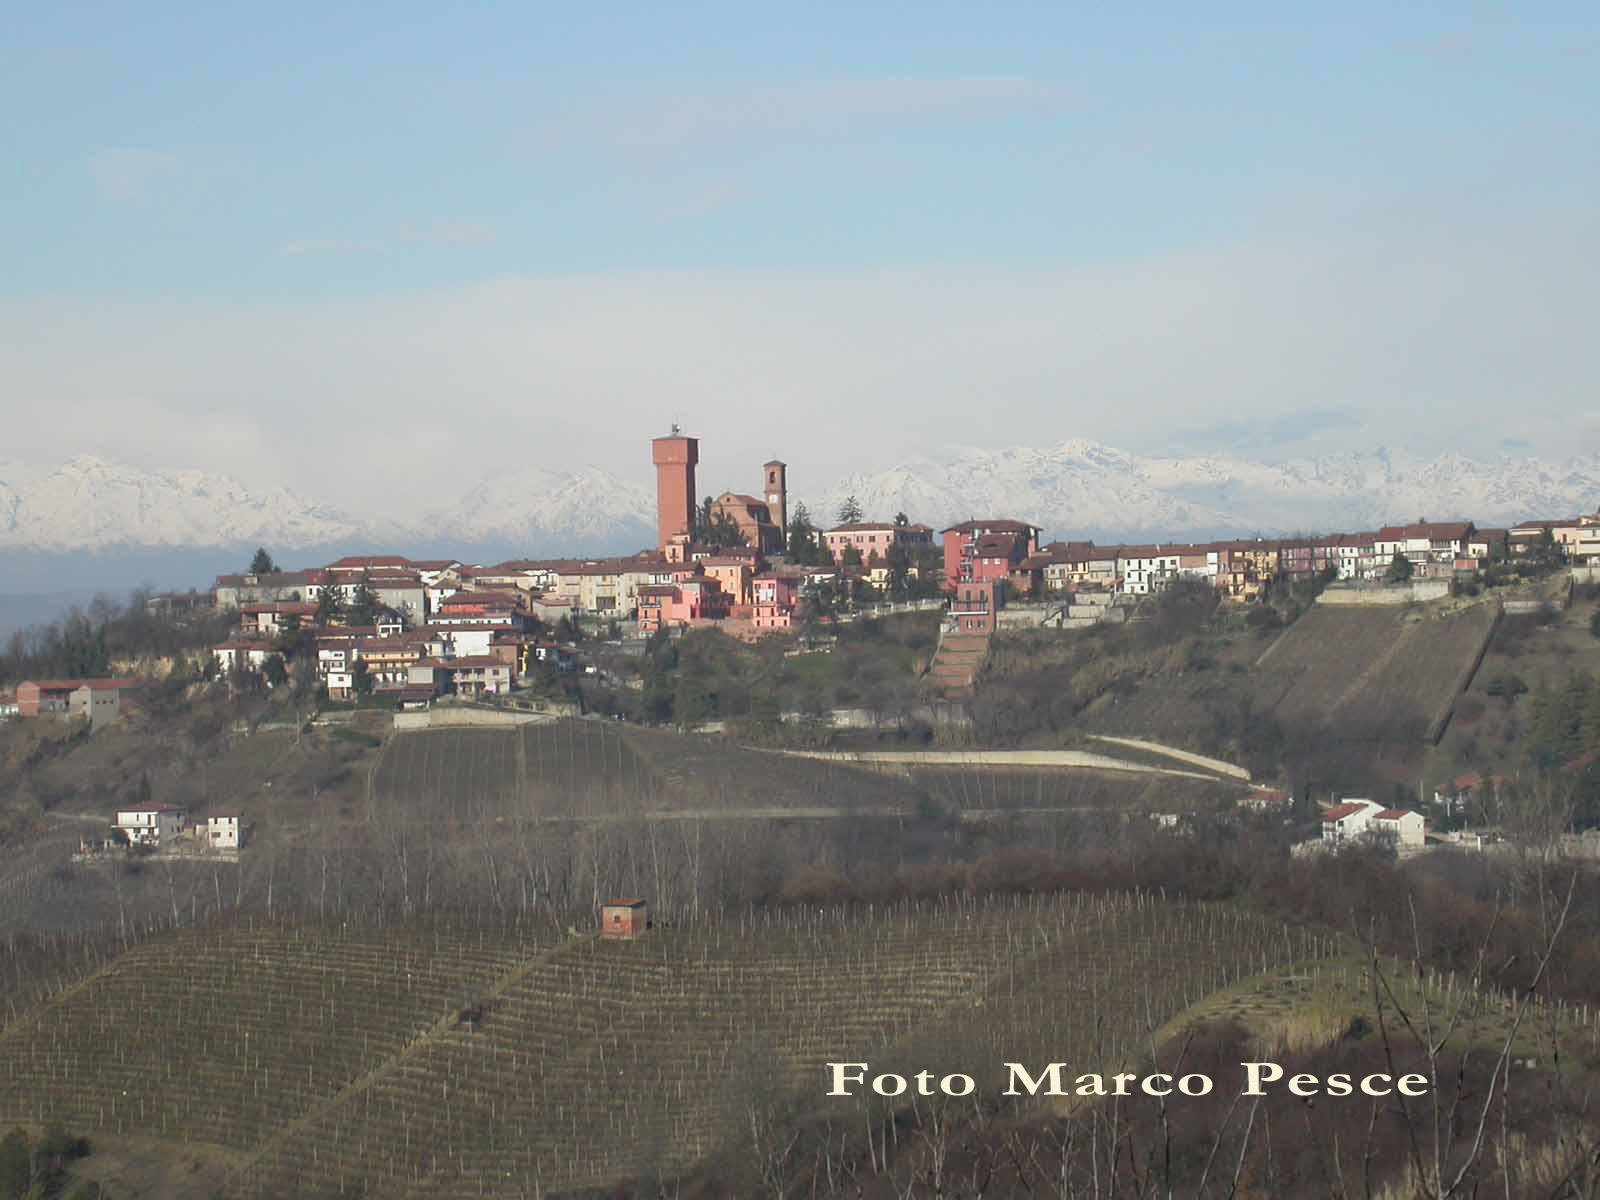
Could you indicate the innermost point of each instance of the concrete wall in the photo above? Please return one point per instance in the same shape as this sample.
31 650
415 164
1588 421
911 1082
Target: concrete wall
1416 591
444 718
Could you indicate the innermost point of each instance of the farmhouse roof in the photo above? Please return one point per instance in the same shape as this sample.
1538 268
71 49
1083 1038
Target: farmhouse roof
497 599
1432 530
466 660
865 527
992 525
149 808
366 562
1340 811
625 903
72 685
1391 814
279 579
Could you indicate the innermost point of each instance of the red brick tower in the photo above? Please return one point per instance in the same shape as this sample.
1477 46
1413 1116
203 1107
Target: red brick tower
675 457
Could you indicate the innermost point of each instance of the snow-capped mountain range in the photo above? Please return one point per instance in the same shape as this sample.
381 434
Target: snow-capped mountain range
1083 488
1075 489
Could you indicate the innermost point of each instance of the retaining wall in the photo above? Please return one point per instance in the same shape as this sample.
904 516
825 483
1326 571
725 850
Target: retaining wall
1417 591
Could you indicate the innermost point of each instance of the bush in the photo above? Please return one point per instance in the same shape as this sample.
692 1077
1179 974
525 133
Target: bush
1469 709
1507 684
16 1165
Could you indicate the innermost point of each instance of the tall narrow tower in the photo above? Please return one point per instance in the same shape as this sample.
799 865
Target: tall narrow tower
675 457
777 494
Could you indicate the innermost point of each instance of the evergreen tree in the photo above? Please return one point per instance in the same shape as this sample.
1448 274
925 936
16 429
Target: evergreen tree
277 674
802 545
899 563
364 605
262 563
849 511
901 520
1400 569
328 606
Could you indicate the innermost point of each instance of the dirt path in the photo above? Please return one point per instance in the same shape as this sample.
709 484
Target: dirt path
1188 756
1081 759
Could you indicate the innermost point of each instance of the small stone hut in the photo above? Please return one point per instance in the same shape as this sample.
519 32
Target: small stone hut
624 919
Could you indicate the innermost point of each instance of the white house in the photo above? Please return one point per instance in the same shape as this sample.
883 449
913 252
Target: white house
1401 826
1354 819
224 831
150 824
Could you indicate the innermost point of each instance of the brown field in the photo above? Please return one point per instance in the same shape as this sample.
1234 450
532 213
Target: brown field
1373 666
331 1062
1391 669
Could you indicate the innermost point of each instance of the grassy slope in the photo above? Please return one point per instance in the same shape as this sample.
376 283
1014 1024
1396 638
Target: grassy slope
1485 733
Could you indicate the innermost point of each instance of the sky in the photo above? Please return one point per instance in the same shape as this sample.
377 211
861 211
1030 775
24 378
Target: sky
309 245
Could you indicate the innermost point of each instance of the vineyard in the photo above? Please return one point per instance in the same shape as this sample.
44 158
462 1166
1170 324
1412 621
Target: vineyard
225 1036
1366 669
590 770
1373 665
427 1061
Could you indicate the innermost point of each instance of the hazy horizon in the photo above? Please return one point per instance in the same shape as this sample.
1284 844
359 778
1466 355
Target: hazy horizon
487 237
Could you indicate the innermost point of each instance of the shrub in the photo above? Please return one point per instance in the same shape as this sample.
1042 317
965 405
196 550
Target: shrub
1507 684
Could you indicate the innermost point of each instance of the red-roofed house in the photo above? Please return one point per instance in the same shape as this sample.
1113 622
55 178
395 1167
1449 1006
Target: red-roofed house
1425 541
873 539
1354 819
991 549
273 617
36 696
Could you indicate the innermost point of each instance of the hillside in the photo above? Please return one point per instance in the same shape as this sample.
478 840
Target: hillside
333 1062
1297 701
1381 668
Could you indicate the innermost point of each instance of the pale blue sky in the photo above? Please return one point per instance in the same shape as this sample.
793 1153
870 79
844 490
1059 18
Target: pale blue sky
1166 227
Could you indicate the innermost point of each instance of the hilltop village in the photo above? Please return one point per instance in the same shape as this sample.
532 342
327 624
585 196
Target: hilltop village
412 630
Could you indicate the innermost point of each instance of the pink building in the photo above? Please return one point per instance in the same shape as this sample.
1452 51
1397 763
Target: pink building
689 599
733 573
873 539
776 597
975 605
986 550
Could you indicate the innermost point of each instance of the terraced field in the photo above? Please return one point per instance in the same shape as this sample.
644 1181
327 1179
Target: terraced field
589 769
226 1036
1374 665
1377 668
334 1063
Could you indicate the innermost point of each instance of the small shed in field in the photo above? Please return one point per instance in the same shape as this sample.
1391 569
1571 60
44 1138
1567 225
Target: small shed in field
624 919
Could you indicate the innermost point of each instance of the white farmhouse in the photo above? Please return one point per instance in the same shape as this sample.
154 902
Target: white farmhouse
1354 819
150 824
224 831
